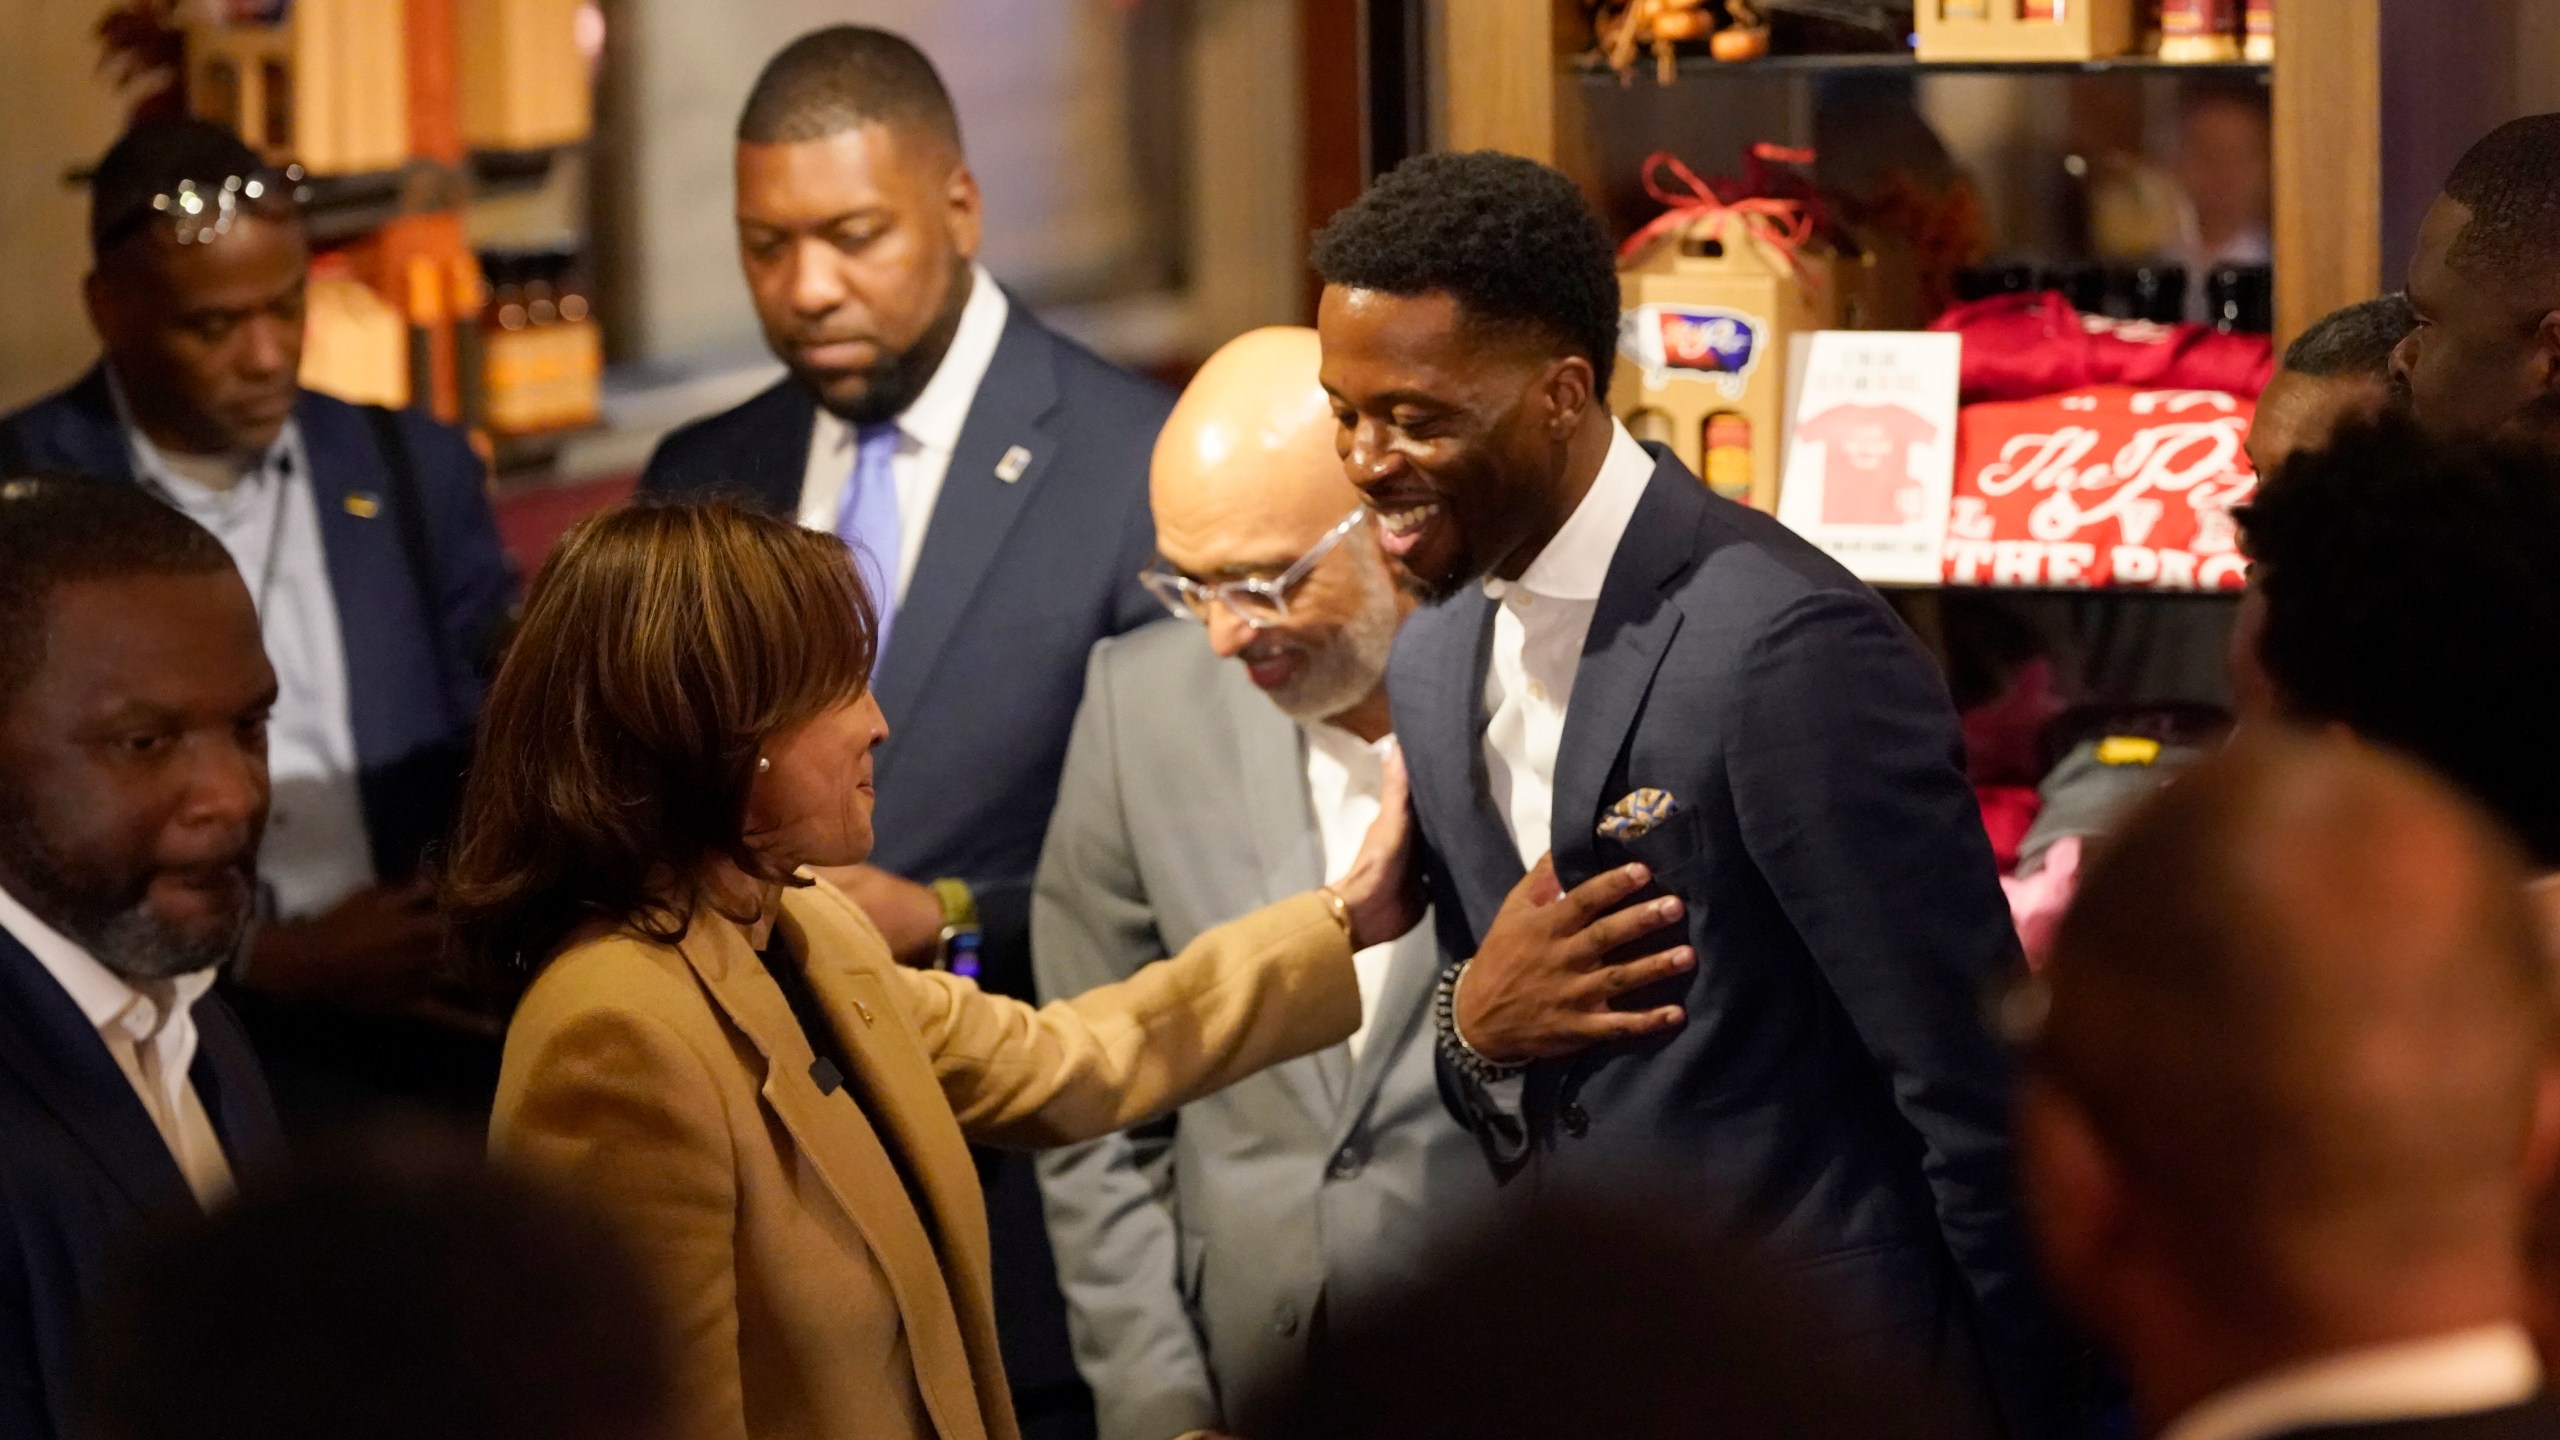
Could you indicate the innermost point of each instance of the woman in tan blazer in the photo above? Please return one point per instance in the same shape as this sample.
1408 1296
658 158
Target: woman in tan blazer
717 1047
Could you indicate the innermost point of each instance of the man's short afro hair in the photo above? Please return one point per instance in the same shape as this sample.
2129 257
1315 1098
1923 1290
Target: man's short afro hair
2510 182
2411 592
843 78
1510 239
2355 340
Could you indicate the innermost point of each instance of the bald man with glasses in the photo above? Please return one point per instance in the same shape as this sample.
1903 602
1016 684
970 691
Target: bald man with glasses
1220 758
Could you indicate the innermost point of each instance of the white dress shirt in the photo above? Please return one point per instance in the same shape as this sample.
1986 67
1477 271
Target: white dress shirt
1345 775
2491 1368
150 1029
316 850
928 431
1539 624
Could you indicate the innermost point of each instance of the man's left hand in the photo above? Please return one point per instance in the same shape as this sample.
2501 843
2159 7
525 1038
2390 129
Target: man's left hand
909 914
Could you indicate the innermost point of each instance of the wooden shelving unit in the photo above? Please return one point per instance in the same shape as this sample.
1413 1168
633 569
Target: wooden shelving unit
1509 75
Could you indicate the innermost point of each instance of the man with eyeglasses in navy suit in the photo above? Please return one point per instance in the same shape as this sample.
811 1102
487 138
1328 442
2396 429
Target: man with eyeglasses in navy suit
367 543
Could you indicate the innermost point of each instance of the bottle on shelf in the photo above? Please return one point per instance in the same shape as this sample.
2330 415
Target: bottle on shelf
2200 32
2157 293
2241 299
1728 452
541 353
2260 27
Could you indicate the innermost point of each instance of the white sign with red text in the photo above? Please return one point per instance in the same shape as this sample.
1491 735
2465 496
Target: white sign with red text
1872 452
2103 487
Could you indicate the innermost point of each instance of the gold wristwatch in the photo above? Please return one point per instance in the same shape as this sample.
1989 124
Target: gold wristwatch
959 952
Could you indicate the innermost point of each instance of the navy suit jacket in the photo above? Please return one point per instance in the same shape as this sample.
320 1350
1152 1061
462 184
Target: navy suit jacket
82 1166
1836 1091
414 675
1016 581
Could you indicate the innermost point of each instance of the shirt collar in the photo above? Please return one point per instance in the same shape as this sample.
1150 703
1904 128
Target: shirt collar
1346 749
2489 1368
934 419
104 997
1575 564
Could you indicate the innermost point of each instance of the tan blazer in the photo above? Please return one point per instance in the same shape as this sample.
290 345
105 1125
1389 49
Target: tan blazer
824 1256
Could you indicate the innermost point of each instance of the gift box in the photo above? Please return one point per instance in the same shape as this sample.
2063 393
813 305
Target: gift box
2103 487
2024 31
1712 294
323 82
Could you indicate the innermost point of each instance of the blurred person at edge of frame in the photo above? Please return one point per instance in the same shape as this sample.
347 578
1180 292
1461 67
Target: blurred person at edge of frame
2290 1092
391 1289
133 789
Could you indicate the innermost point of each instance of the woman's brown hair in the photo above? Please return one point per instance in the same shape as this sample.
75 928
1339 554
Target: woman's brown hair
662 646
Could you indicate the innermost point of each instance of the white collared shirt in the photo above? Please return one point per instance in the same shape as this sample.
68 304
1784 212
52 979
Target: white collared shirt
1539 624
1345 775
928 431
158 1017
316 850
2490 1368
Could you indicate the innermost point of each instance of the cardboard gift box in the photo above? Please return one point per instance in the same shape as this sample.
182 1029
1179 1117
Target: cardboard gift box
524 80
1712 295
325 84
2025 31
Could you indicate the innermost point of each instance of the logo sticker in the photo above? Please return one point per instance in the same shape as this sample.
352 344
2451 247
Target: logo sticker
1692 342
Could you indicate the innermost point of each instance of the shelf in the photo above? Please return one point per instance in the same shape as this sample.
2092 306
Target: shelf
496 173
1889 62
349 207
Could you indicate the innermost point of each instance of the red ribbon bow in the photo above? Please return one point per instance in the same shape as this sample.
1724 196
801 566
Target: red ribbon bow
1786 226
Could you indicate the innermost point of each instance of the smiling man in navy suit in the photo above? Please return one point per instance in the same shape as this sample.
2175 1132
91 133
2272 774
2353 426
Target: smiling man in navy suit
991 477
1622 666
134 698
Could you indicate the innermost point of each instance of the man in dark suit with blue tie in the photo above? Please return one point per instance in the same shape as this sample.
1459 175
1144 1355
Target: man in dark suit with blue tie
991 477
134 696
367 542
1622 667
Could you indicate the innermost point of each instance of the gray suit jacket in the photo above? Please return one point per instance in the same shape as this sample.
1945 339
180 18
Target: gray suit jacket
1194 1254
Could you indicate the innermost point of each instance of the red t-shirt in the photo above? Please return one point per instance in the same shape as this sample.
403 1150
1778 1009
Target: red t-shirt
1866 471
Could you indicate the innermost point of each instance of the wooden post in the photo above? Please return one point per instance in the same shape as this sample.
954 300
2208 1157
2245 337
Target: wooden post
2328 160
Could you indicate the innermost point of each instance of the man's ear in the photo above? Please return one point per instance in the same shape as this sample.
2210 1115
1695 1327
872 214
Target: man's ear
2546 354
967 210
1571 393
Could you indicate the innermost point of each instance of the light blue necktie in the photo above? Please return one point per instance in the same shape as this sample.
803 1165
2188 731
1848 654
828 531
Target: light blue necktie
868 522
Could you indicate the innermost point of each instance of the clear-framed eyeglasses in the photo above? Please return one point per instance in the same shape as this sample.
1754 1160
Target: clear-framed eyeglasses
200 212
1256 601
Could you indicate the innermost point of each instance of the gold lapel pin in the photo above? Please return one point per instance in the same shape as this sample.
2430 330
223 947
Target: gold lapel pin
363 505
1015 461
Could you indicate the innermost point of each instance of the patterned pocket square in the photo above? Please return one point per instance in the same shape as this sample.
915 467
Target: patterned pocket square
1640 812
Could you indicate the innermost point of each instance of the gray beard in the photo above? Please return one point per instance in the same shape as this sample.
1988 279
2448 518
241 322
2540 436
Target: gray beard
1342 673
110 917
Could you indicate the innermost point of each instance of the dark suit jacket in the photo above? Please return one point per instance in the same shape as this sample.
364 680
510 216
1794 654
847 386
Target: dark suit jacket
984 670
1835 1090
1014 585
413 670
81 1166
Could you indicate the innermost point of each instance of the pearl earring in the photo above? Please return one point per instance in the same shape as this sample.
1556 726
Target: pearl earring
764 764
